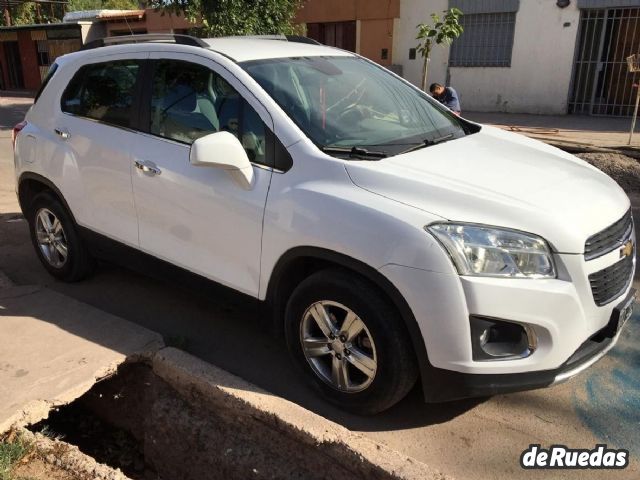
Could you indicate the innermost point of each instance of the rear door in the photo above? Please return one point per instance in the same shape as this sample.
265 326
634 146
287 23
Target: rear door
198 217
96 132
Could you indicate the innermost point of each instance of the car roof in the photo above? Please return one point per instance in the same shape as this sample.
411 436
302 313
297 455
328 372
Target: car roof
237 49
243 49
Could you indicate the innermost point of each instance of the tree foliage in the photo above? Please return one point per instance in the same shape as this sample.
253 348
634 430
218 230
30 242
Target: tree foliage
25 13
216 17
120 4
76 5
439 32
236 17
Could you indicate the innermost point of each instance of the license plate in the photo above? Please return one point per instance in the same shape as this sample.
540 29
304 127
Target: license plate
625 313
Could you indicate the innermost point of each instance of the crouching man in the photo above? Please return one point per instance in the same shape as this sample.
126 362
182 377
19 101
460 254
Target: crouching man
446 96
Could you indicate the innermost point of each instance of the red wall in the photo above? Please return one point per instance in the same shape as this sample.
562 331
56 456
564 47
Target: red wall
5 70
29 58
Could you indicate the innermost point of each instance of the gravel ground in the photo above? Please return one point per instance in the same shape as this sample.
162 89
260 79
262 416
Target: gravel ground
624 170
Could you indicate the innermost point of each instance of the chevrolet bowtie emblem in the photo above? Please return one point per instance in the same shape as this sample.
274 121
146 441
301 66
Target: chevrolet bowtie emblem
627 249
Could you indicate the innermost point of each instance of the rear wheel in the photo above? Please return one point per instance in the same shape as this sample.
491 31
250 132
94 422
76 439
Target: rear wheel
350 342
56 240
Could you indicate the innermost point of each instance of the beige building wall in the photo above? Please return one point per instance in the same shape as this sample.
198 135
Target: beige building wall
413 12
539 78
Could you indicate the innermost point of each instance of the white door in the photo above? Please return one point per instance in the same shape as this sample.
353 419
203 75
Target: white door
94 131
199 218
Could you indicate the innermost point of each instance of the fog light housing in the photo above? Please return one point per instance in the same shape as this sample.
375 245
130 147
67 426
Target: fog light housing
493 339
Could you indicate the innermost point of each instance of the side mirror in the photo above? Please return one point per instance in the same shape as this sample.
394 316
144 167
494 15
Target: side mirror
223 150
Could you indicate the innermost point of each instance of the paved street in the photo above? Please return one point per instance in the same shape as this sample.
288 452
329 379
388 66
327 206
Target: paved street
479 439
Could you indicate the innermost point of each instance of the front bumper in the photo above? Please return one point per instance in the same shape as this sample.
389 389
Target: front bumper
571 329
456 385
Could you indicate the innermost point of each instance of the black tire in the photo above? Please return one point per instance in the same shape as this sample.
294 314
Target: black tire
78 263
396 370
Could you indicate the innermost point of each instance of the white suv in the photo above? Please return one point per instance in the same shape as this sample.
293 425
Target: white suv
391 238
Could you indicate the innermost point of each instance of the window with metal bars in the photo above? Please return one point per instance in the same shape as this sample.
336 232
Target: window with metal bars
487 40
42 47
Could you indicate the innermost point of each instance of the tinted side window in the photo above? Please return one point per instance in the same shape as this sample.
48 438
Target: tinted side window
182 104
103 91
189 101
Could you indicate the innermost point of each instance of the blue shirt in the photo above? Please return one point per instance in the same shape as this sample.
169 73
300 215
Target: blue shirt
449 99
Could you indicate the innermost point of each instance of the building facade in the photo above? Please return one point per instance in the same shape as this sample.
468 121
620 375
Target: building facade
521 56
27 51
524 56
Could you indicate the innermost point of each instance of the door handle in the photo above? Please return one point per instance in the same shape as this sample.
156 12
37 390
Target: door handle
62 133
147 167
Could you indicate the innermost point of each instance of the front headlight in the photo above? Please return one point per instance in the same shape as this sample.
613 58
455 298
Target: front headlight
495 252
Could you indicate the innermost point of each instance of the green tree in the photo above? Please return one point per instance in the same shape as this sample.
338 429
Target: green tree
24 13
20 13
77 5
439 32
236 17
121 4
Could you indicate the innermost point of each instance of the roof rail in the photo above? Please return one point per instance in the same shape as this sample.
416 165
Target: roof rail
285 38
147 37
301 39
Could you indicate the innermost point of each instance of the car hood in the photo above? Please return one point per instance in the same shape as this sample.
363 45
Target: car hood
499 178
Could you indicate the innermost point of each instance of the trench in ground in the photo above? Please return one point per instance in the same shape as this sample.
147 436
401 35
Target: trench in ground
137 422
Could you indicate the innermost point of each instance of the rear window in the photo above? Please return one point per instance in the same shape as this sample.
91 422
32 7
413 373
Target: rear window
45 82
103 91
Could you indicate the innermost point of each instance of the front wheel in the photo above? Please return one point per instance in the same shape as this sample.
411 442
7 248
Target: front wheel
350 342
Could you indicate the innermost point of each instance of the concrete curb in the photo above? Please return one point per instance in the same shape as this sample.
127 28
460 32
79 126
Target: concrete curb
223 391
53 349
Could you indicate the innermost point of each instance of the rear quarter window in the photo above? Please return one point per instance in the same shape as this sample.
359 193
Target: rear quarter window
45 82
103 91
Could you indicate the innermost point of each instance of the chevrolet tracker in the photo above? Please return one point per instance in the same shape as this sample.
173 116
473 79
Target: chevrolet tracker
392 239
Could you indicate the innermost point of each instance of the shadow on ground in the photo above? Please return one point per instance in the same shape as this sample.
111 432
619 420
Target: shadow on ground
212 322
13 111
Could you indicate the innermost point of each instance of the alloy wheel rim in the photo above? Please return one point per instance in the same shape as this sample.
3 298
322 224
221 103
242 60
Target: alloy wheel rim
51 238
338 346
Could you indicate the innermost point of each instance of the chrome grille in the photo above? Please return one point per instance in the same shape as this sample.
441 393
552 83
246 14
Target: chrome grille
609 239
611 282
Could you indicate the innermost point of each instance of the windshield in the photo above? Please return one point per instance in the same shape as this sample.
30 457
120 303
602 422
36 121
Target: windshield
346 102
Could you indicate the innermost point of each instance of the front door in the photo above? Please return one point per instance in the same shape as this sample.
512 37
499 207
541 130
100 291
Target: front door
199 218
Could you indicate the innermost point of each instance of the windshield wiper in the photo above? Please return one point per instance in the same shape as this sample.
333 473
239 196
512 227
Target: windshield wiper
355 152
427 143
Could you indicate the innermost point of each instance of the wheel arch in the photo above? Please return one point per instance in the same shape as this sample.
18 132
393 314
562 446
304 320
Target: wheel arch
31 184
300 262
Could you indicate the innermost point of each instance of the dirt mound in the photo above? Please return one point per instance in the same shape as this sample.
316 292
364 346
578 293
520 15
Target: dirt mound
624 170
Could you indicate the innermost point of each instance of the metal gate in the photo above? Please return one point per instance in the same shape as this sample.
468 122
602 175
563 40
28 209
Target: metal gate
601 83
